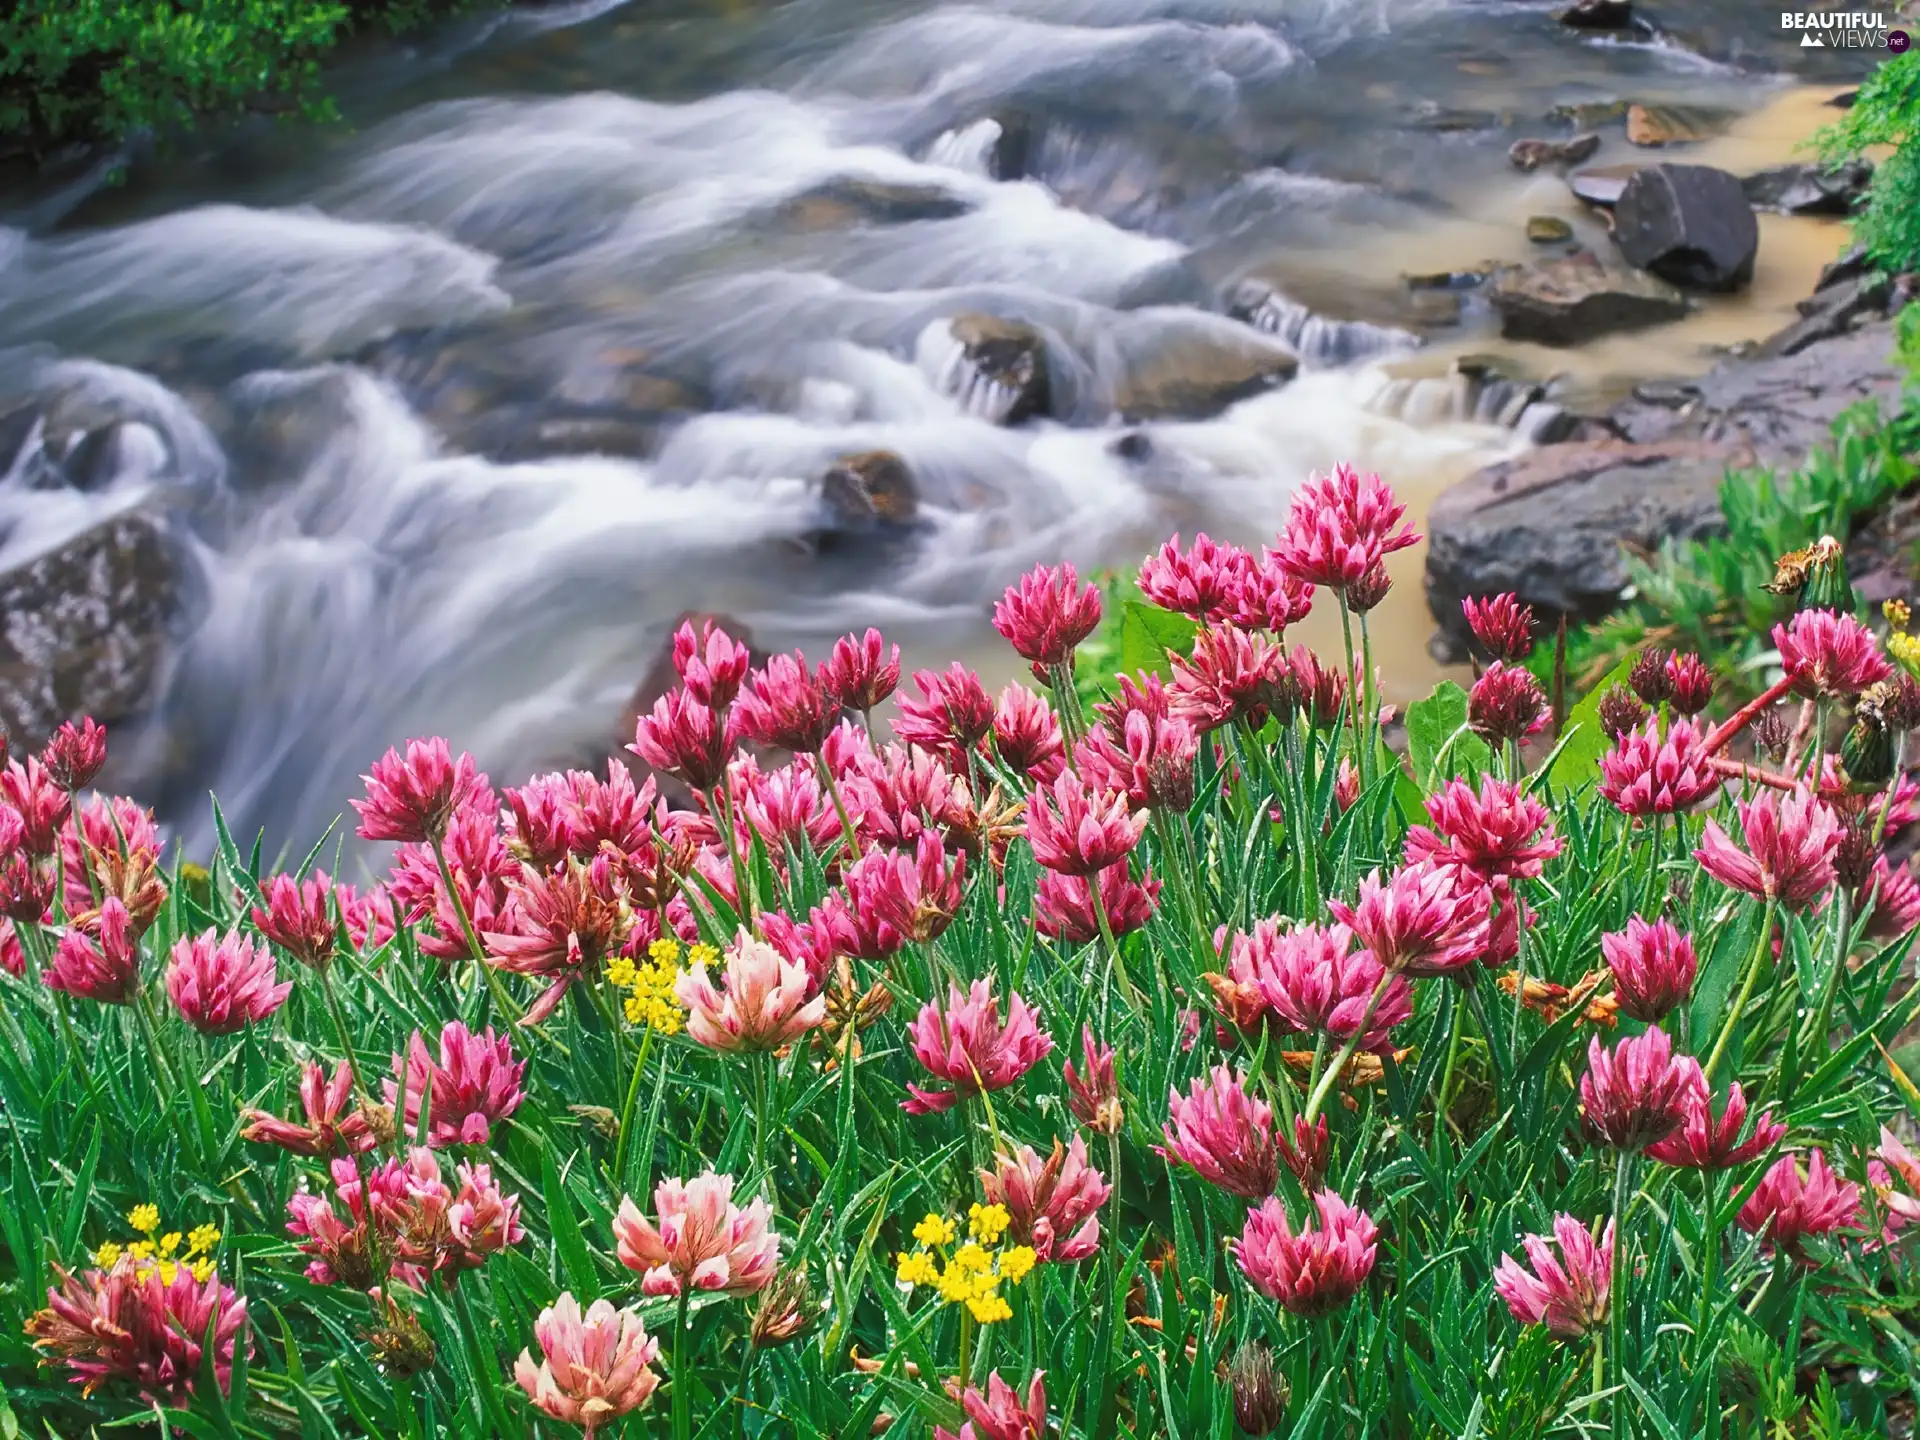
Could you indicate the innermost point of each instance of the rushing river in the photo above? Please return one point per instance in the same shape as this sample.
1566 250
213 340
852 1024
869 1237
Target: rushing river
719 245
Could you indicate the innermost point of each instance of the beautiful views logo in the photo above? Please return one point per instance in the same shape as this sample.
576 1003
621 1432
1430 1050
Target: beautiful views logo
1841 29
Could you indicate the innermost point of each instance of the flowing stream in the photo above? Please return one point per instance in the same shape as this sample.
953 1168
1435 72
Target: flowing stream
460 403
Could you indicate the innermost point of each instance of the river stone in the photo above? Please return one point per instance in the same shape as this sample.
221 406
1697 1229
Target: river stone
1576 298
1652 125
1598 14
871 491
1548 229
84 627
1602 185
1688 224
1550 526
1192 373
1809 189
850 200
1532 154
1003 371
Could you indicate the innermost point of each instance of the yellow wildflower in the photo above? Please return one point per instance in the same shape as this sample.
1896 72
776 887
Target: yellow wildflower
916 1269
620 972
1905 648
664 952
701 955
144 1218
989 1308
1017 1262
972 1256
958 1285
201 1270
141 1250
651 1001
934 1230
1898 613
202 1238
170 1242
987 1223
108 1255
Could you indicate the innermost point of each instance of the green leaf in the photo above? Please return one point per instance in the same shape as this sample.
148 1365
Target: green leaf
1583 742
1148 634
567 1239
1438 740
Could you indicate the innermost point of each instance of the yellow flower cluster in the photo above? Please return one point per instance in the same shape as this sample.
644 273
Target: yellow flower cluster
650 999
161 1253
971 1273
1904 647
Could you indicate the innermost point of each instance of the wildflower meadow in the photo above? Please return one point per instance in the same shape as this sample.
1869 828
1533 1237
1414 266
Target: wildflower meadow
1154 1054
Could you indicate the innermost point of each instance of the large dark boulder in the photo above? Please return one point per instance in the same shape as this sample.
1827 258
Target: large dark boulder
85 626
1691 225
1576 298
1189 370
1598 14
1550 526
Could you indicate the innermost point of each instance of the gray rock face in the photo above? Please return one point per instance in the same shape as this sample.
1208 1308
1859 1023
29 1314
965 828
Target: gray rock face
1602 185
1689 224
83 628
1568 300
1550 524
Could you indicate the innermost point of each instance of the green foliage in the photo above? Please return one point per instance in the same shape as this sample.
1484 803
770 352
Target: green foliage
91 70
1887 113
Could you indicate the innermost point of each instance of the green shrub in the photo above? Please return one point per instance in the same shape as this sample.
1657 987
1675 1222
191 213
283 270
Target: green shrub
1887 112
94 70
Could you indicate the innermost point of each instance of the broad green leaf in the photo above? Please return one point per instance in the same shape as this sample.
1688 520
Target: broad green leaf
1583 742
1148 634
1438 740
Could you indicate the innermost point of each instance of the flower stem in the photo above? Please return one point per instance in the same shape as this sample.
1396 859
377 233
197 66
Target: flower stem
162 1065
682 1399
1746 994
1319 1096
832 787
499 991
1441 1109
1354 696
623 1146
743 890
1106 933
1616 1292
1709 1266
1744 716
1520 973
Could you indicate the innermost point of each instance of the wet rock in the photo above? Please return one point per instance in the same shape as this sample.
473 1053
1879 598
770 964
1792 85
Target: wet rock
1576 298
1446 120
1653 125
1532 154
1597 15
1809 189
1134 445
1550 526
1844 100
1588 114
1433 309
1833 310
84 628
849 200
1602 185
996 368
1196 372
1689 224
1548 230
1779 406
870 492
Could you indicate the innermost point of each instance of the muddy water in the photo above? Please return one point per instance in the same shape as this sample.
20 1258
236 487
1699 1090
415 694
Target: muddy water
332 345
